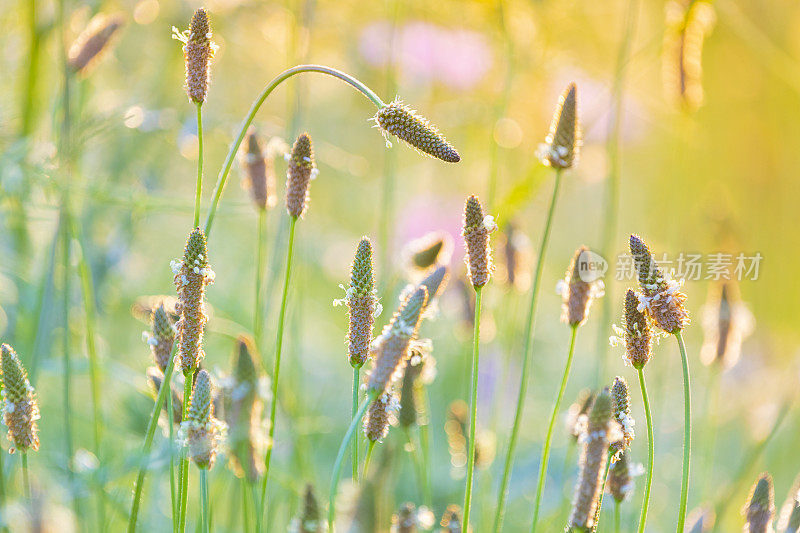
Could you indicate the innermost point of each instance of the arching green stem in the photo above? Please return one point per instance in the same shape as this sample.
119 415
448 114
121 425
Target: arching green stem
286 74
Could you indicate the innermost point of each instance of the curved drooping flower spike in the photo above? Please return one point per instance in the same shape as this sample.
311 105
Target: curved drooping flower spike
404 123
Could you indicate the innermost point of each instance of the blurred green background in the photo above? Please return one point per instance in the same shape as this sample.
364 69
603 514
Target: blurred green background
695 177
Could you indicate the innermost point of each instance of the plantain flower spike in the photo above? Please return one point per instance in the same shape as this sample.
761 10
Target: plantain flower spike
201 433
621 408
620 484
20 408
161 338
89 46
394 342
302 169
578 413
661 298
362 304
192 276
635 333
242 412
259 169
760 507
198 51
477 228
726 323
593 459
561 146
380 416
428 251
310 519
420 370
405 124
576 294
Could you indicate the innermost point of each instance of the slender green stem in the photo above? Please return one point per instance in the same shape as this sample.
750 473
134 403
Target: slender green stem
602 492
246 505
198 192
254 502
337 465
616 516
650 451
258 325
205 506
29 89
26 482
172 496
549 438
687 434
286 74
188 382
148 439
526 361
2 482
473 411
417 460
356 384
367 459
277 363
67 377
44 303
425 445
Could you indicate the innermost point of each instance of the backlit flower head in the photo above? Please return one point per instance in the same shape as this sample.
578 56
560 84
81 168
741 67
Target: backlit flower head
362 304
161 338
760 507
201 433
242 411
405 124
302 169
310 519
576 294
563 142
621 409
198 51
578 413
634 334
20 408
92 42
380 415
431 249
726 323
477 227
258 162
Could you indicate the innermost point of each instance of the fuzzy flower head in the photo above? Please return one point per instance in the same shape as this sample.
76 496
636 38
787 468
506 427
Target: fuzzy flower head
394 342
89 46
380 415
661 298
161 338
621 406
198 51
242 411
760 507
362 304
432 249
635 333
576 294
420 370
594 454
310 518
192 275
621 477
578 413
563 142
302 169
20 408
477 227
258 163
405 124
201 433
726 323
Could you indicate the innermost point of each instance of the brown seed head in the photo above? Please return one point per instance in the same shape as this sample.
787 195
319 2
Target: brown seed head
592 464
201 431
621 408
431 249
408 392
242 411
405 124
393 344
577 414
299 175
361 303
198 50
577 294
760 508
259 171
379 416
310 519
563 141
635 333
476 239
620 484
20 408
192 275
89 46
435 282
162 337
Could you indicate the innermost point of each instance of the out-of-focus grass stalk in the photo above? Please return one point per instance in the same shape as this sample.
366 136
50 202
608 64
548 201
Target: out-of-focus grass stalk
417 460
172 496
502 105
612 182
743 475
687 434
473 414
43 302
26 482
650 450
205 505
29 87
276 368
367 460
602 491
616 516
258 326
199 187
356 383
549 437
283 76
184 465
67 376
246 501
711 426
163 392
425 445
526 360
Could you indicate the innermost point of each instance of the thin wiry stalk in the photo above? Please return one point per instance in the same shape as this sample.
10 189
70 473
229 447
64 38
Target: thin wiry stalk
148 439
473 414
26 482
205 505
337 465
687 434
44 303
613 180
549 437
367 459
258 325
526 359
245 486
616 516
416 459
650 451
710 418
234 149
29 89
356 384
602 491
199 187
277 363
184 468
67 377
172 496
425 446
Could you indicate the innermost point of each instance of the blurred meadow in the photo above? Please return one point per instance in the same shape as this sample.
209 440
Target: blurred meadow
688 113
